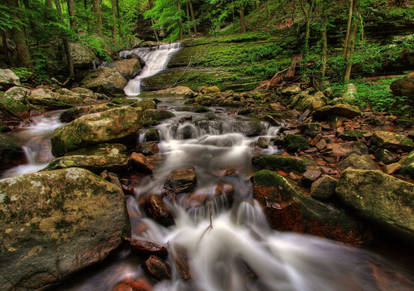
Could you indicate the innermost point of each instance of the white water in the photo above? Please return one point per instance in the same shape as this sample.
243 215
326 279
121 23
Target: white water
35 141
156 60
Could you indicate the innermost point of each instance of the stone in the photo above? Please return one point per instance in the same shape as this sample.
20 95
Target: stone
127 67
17 93
279 162
308 101
311 174
158 268
155 116
156 209
263 142
209 90
351 93
407 164
343 149
181 181
343 110
11 153
82 55
54 100
140 162
324 188
390 140
151 134
385 156
291 90
311 129
107 126
179 90
380 197
149 148
392 168
403 87
76 112
148 247
14 102
294 143
322 144
356 161
105 80
8 79
55 223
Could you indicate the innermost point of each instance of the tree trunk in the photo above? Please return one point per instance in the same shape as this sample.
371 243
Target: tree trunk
242 20
98 11
180 23
65 42
351 42
5 48
118 18
19 38
113 19
324 38
348 28
85 4
49 4
71 11
193 16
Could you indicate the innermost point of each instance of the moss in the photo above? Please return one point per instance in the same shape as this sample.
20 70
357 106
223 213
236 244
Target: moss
278 162
152 134
294 143
311 129
157 115
266 178
200 109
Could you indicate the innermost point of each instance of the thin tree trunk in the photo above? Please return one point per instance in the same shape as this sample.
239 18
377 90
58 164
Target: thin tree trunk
242 21
19 38
113 19
193 16
118 17
348 28
71 11
65 42
85 4
5 48
99 12
324 38
187 14
352 42
180 23
49 4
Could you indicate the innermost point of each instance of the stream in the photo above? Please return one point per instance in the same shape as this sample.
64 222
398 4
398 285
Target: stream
219 227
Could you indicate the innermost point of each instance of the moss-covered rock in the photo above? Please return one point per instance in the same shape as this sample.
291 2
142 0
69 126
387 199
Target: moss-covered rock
390 140
90 129
357 161
311 129
76 112
155 116
403 87
152 134
8 79
343 110
14 102
385 156
324 187
105 80
379 197
55 100
55 223
279 162
128 68
294 143
407 165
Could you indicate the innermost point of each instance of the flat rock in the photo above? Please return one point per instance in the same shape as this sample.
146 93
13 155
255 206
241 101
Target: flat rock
343 110
391 140
357 161
181 181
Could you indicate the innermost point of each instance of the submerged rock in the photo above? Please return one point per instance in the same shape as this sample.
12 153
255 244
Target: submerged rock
107 126
382 198
156 209
181 181
55 223
158 268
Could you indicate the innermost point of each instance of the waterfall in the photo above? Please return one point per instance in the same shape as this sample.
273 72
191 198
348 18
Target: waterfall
156 60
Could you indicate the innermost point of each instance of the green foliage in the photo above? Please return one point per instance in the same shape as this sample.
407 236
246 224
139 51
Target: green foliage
97 44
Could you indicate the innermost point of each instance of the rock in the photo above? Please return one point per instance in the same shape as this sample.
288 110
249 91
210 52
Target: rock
287 209
108 126
321 145
352 134
263 142
14 102
17 93
97 159
343 110
140 162
311 174
311 129
324 187
279 162
390 140
343 149
105 80
55 223
82 55
356 161
11 153
54 100
156 209
392 168
351 93
382 198
181 181
403 87
294 143
407 164
158 268
141 284
76 112
155 116
291 90
307 101
209 90
149 148
179 90
385 156
152 134
127 67
8 79
148 247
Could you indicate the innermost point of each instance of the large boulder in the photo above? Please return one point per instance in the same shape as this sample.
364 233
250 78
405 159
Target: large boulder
54 100
279 162
107 126
55 223
379 197
403 87
343 110
407 164
105 80
11 153
82 55
127 67
8 79
14 102
357 161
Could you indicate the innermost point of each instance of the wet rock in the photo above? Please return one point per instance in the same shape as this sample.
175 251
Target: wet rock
54 100
105 80
158 268
324 188
263 142
181 181
128 68
356 161
180 257
149 148
343 110
147 247
294 143
140 162
279 162
403 87
8 79
108 126
152 134
390 140
311 129
382 198
134 285
11 153
55 223
155 208
155 116
287 209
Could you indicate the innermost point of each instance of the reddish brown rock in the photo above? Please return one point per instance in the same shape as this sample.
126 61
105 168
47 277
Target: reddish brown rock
158 268
156 209
148 247
181 181
140 162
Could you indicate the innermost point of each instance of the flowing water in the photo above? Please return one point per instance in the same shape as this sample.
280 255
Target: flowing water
156 60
